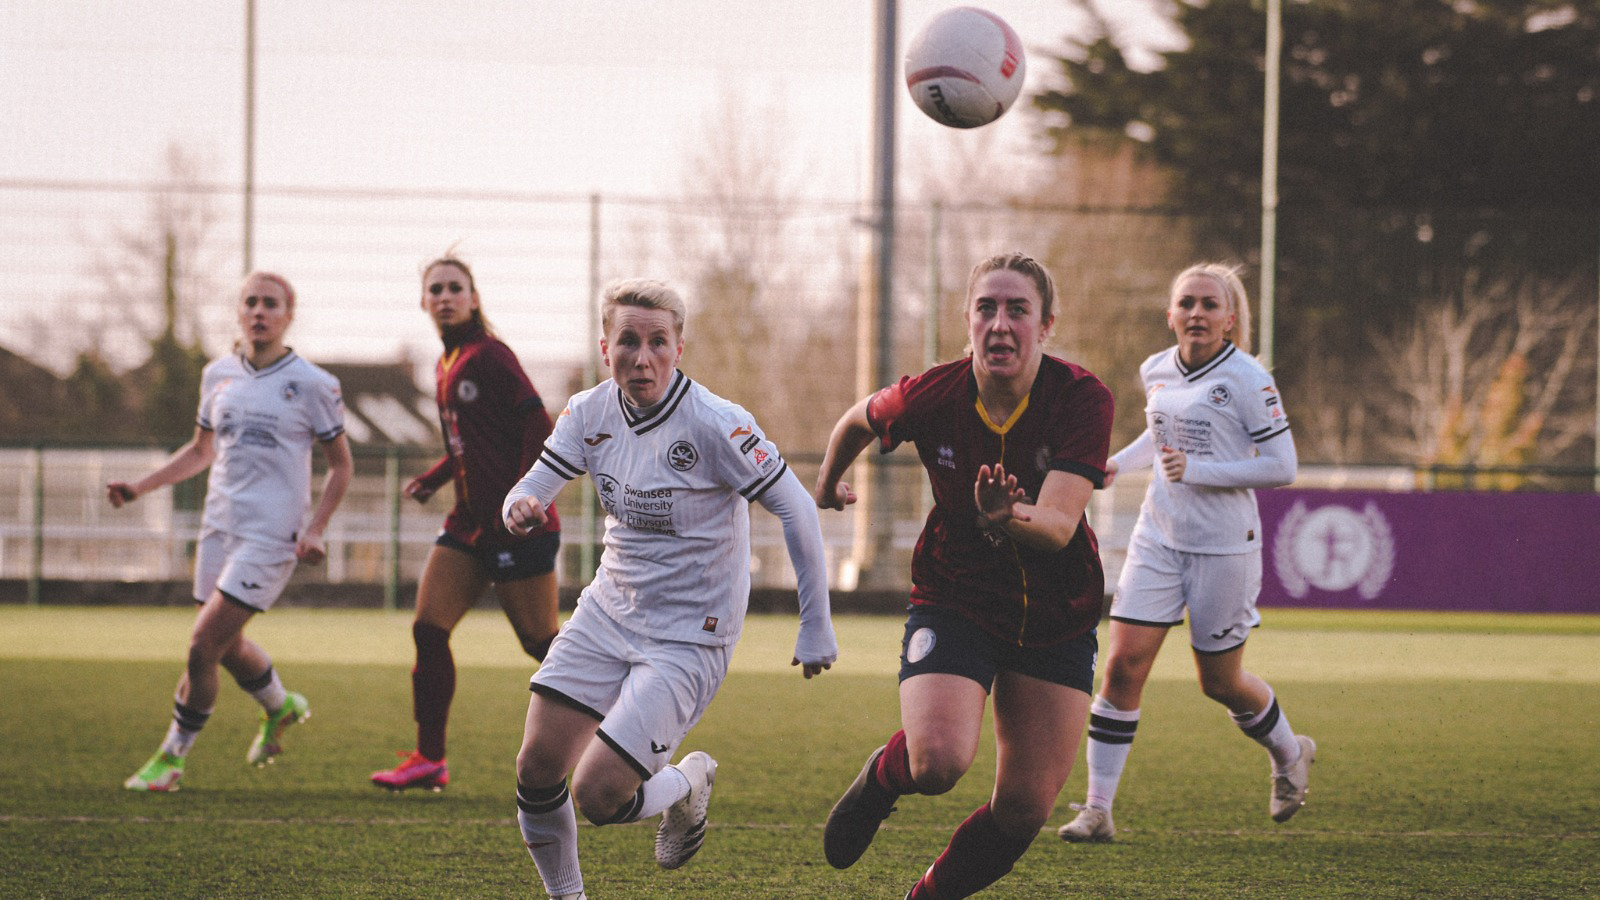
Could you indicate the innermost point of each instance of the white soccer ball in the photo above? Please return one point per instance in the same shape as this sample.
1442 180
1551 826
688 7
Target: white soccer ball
965 67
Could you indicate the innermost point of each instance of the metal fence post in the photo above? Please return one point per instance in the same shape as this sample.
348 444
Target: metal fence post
36 555
391 487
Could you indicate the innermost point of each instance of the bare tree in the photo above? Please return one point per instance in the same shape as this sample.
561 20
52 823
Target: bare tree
159 276
763 313
1494 378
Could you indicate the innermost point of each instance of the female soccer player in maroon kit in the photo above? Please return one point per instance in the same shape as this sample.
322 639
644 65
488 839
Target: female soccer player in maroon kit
494 427
1006 580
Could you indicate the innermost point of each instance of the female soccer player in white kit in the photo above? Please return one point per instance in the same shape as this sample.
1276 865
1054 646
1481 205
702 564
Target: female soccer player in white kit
261 410
676 468
1215 429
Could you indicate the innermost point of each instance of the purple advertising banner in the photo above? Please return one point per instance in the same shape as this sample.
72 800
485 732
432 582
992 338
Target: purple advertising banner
1505 552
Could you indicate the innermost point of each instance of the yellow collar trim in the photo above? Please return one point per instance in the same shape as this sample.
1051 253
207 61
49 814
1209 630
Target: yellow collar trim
1016 414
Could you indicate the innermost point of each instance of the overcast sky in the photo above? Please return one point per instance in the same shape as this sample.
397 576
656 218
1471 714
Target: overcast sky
557 98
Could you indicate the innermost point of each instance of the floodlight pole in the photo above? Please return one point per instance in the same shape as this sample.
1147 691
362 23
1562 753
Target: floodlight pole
1269 181
249 237
875 516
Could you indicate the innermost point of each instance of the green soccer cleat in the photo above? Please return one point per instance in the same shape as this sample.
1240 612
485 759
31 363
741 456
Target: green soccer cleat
268 742
160 774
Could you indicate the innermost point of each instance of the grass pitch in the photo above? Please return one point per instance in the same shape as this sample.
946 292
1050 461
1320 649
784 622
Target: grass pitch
1459 756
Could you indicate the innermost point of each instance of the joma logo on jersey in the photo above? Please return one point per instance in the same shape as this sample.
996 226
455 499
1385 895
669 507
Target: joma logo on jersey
682 456
740 432
597 440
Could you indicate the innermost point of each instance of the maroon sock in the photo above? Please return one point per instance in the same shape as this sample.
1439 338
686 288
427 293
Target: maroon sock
433 684
894 766
978 855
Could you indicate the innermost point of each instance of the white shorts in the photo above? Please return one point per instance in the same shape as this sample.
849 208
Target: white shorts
250 572
1158 583
646 692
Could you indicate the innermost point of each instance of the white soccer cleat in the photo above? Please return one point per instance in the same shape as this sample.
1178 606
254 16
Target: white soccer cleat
683 826
1092 826
1289 786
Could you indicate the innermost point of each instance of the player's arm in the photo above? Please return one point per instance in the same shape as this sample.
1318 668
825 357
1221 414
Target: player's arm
1047 524
310 548
526 506
428 483
1139 453
1274 466
186 462
816 648
851 434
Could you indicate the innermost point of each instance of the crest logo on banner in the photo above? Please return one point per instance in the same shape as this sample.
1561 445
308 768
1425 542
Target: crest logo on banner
1334 548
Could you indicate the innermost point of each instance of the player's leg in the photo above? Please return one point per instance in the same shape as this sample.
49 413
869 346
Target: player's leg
532 605
218 624
1113 722
946 667
1148 602
452 580
1222 613
1037 723
553 739
627 775
251 666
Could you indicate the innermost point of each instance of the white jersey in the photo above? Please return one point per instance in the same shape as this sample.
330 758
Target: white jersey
1218 415
265 421
676 483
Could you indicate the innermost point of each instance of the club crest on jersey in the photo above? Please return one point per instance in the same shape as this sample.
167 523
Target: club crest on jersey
467 390
291 391
606 487
682 456
1219 396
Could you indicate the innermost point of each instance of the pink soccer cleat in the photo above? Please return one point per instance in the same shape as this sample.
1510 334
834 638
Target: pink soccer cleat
417 771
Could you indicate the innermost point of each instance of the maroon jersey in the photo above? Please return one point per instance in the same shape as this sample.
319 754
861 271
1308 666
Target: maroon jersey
494 427
1014 592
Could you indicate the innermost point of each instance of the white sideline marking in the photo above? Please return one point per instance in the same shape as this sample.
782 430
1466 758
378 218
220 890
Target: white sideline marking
509 822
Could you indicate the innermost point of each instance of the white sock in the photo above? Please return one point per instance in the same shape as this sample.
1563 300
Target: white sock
664 788
1270 728
550 832
184 728
1110 739
272 695
178 740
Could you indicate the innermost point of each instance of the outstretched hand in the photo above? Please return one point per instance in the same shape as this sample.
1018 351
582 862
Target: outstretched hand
119 493
1111 473
810 670
834 496
1174 463
997 496
418 490
525 516
310 549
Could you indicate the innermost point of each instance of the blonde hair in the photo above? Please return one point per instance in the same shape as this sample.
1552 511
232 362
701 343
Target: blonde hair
642 292
1026 266
1232 287
275 278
